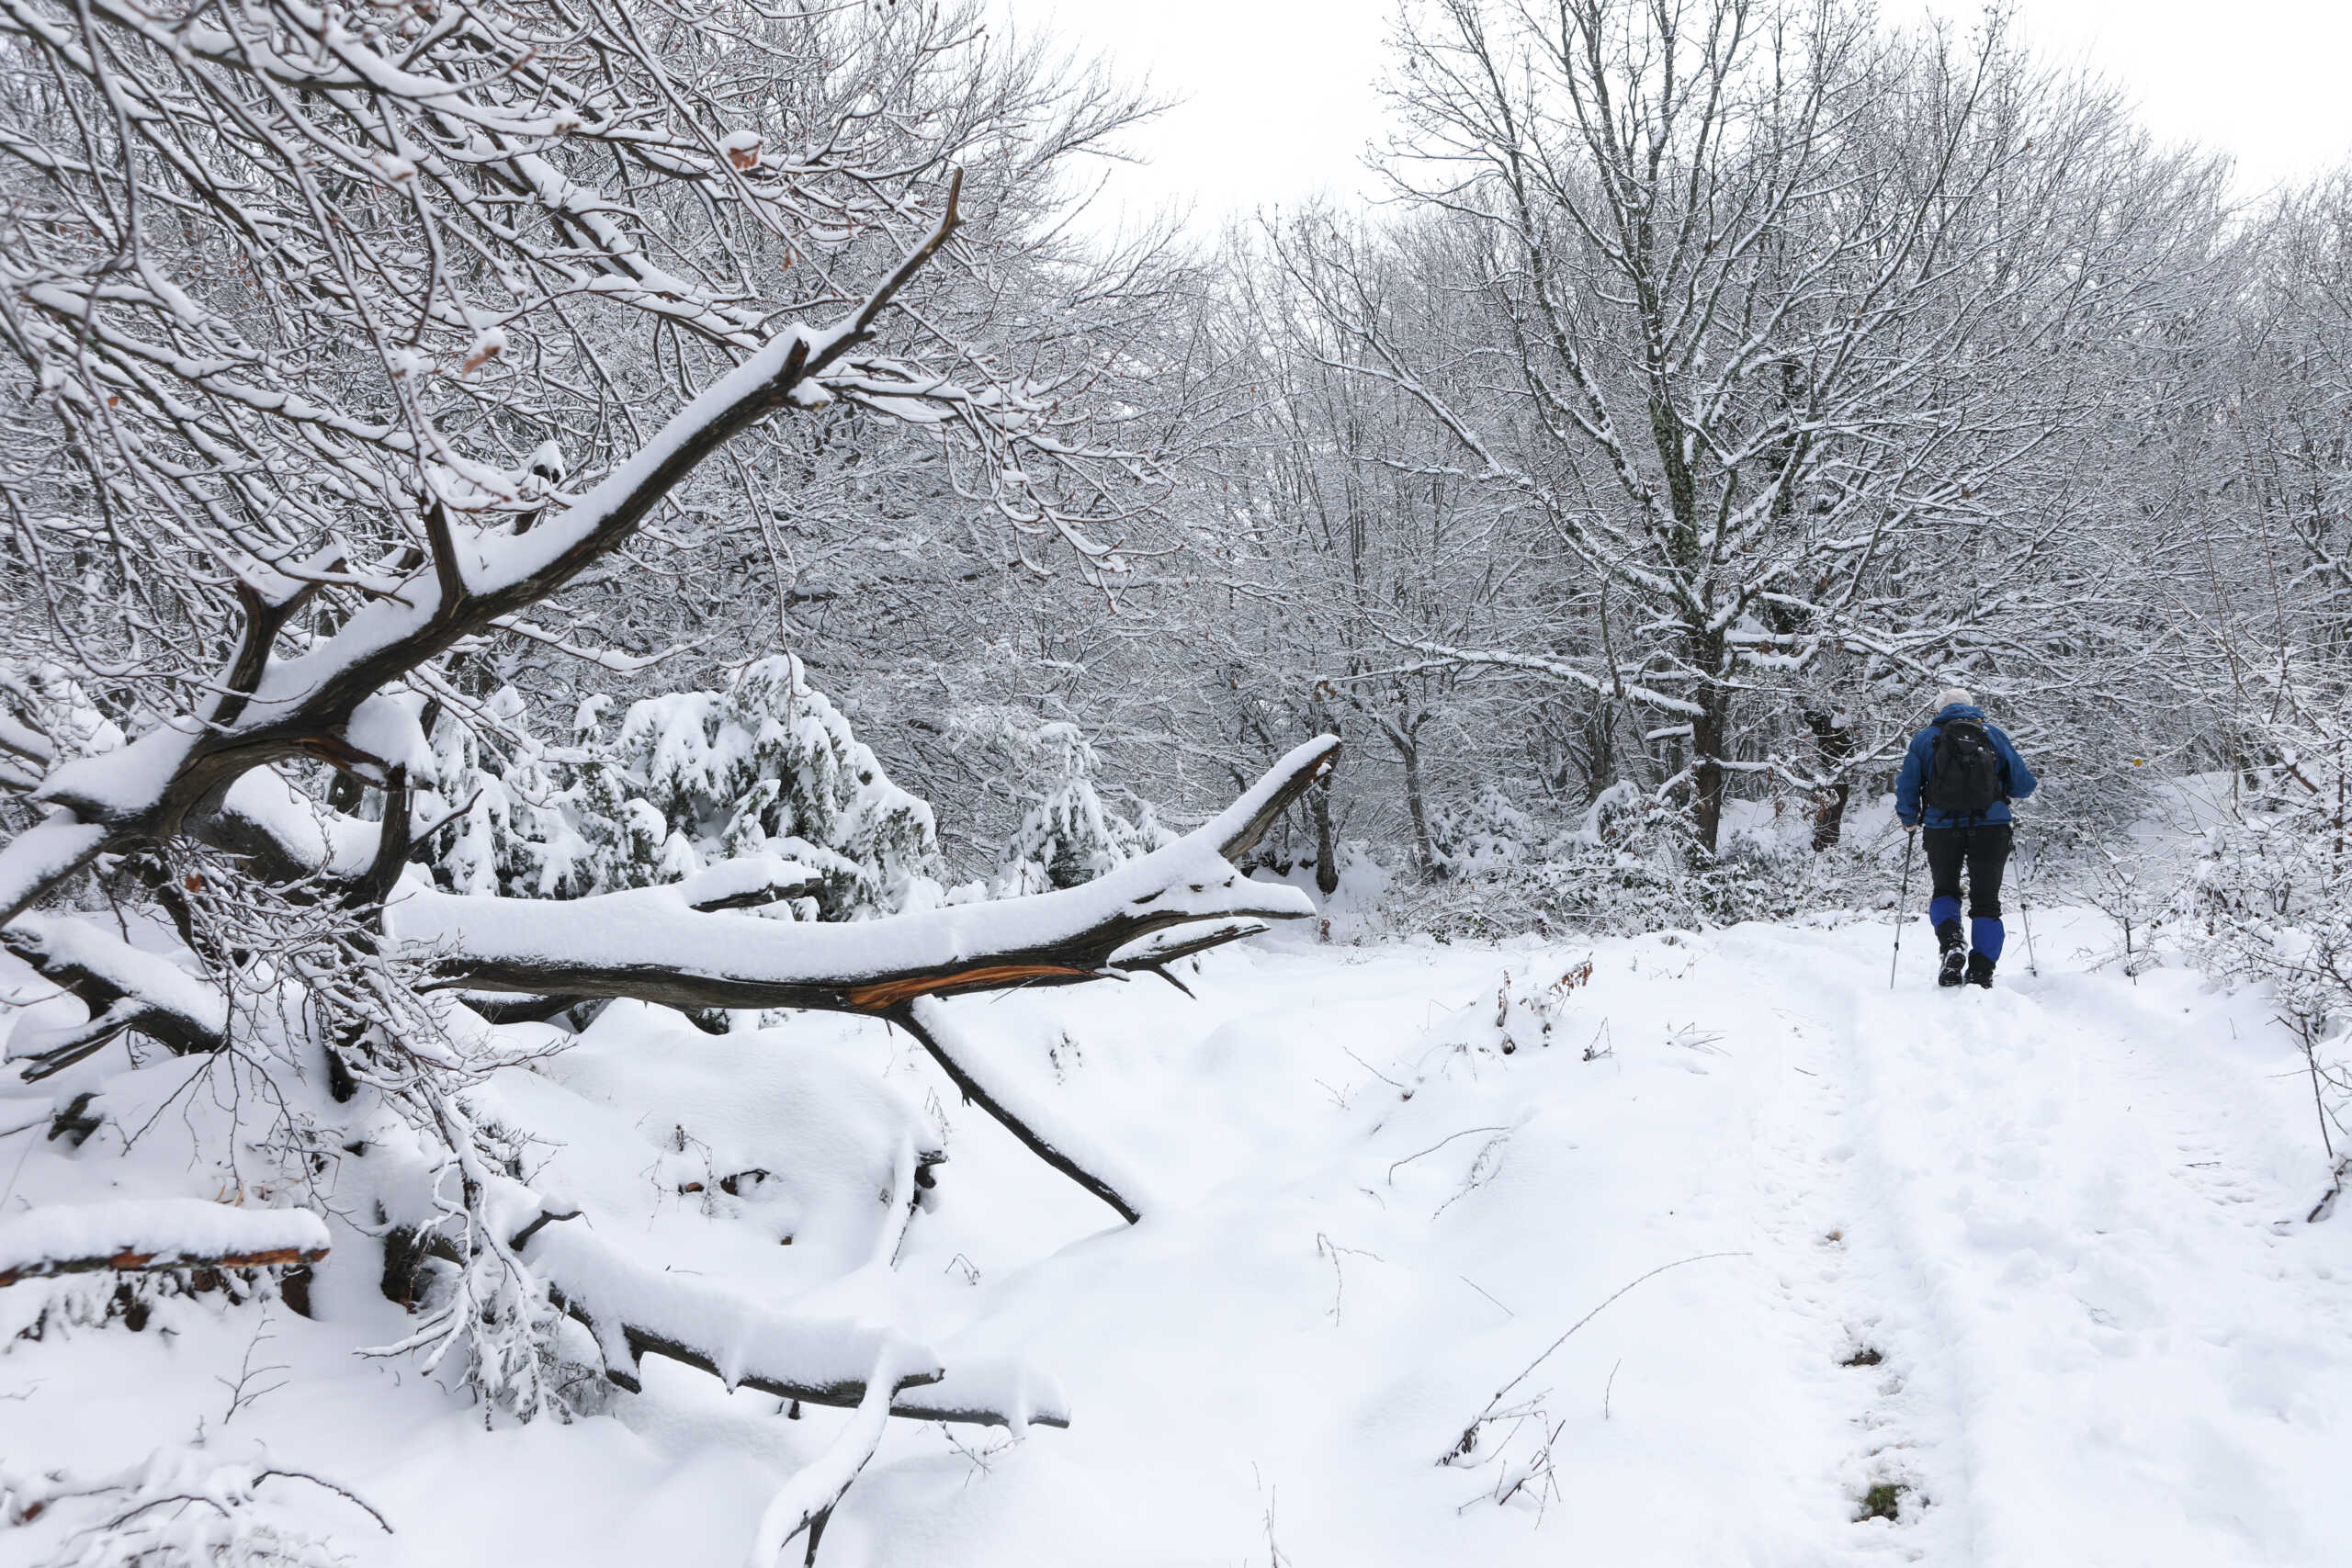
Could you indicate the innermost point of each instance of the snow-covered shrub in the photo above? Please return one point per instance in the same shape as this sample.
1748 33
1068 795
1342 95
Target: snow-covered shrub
183 1506
768 766
2273 893
1530 1008
1631 864
1487 837
2271 898
1070 836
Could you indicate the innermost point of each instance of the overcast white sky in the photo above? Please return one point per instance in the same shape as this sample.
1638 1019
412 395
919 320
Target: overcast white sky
1279 100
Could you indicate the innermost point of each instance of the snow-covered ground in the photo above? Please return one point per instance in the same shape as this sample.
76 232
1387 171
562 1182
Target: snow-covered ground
2036 1259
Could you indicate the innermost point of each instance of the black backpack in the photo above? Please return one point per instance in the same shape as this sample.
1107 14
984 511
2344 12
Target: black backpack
1965 772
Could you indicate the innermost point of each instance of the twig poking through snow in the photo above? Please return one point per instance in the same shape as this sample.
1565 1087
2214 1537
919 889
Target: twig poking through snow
1326 1247
241 1392
1468 1441
1483 1292
1402 1092
1275 1557
1439 1144
1482 1170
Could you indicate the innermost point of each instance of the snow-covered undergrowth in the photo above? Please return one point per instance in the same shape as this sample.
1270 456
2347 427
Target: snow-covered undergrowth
2027 1271
1629 864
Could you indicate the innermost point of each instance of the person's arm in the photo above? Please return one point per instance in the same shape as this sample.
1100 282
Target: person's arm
2021 782
1906 783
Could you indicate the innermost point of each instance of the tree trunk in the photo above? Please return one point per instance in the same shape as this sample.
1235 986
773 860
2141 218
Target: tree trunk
1710 737
1834 742
1600 748
1327 861
1416 805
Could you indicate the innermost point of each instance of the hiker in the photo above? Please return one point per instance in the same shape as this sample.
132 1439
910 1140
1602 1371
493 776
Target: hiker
1958 779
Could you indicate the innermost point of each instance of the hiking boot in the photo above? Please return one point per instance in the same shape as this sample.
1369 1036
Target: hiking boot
1955 953
1980 970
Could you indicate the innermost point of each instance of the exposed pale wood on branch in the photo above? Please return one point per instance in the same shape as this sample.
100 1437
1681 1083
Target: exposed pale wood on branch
885 996
154 1262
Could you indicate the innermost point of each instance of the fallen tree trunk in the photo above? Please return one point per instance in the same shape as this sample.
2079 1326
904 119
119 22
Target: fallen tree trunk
143 1235
691 945
652 944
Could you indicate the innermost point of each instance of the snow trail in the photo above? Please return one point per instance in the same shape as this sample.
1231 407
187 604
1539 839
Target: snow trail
2121 1329
2051 1213
2032 1260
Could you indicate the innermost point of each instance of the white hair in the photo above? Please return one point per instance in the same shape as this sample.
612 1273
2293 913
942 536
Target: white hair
1951 694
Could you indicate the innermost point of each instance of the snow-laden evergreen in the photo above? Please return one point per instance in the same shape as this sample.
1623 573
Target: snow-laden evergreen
1070 835
685 780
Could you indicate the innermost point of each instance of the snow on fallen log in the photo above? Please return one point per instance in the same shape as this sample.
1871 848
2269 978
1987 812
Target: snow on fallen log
637 1310
138 1235
987 1391
1237 829
652 944
746 883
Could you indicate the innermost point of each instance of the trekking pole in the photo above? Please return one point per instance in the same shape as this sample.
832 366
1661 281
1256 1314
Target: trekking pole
2025 913
1901 899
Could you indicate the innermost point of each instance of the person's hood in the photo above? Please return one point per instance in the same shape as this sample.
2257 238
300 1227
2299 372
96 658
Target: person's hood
1960 710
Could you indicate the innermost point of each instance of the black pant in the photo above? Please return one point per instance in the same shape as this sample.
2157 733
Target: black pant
1985 850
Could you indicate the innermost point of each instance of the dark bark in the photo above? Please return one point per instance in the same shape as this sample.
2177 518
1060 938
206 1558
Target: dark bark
157 1262
1326 852
1083 957
115 1007
1709 740
534 963
405 1251
908 1400
1032 1139
1834 744
1417 806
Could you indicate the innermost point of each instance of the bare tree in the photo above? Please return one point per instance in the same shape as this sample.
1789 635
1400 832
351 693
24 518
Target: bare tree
1339 524
342 343
1768 312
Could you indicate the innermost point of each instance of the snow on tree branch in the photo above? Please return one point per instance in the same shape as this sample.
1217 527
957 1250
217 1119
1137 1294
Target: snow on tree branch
650 943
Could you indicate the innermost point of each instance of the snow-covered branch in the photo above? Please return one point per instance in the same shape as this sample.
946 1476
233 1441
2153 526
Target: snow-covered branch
635 1310
651 943
123 988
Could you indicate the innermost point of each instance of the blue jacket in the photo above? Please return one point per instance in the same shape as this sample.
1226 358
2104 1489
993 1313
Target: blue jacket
2017 779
